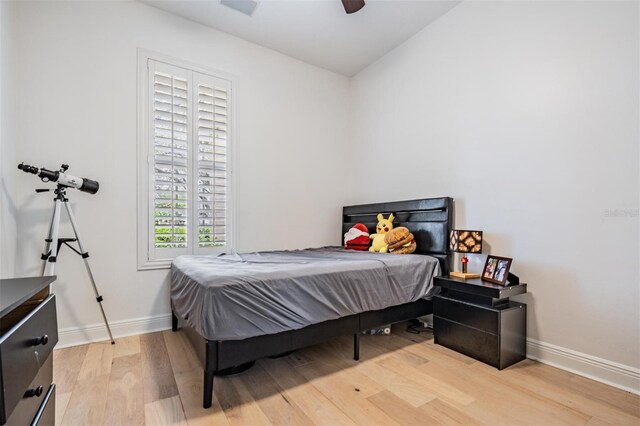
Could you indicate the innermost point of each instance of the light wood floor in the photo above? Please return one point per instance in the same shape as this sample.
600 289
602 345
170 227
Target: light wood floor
403 378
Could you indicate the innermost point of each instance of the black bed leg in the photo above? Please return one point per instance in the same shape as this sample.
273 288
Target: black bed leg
208 389
356 347
174 322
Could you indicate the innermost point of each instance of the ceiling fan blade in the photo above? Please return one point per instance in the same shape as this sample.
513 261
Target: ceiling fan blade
352 6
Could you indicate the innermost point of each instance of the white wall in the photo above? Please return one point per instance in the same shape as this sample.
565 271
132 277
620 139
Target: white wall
7 158
528 115
75 102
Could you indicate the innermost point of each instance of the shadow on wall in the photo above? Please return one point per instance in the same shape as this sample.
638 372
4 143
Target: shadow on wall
531 274
163 297
65 304
8 237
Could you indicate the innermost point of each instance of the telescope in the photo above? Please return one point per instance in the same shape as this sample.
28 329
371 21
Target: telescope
62 178
53 242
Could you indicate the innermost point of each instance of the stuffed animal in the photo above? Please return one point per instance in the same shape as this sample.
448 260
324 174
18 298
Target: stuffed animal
357 238
400 241
384 226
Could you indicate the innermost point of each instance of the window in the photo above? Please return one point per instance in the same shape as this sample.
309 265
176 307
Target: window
185 206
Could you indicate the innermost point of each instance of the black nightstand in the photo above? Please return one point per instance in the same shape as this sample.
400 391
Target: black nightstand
477 318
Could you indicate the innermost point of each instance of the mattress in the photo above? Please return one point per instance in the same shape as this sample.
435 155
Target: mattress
238 296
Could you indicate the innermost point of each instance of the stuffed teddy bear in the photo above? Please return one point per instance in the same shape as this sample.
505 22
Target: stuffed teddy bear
384 226
357 238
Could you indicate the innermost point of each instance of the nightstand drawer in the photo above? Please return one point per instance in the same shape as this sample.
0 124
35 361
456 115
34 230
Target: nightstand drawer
30 402
469 341
466 313
24 350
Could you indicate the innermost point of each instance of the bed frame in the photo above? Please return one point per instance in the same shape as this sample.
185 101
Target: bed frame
430 220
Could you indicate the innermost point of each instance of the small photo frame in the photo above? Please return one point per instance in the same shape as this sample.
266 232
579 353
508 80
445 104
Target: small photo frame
496 270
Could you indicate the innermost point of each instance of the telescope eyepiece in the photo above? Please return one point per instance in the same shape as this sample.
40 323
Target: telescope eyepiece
28 169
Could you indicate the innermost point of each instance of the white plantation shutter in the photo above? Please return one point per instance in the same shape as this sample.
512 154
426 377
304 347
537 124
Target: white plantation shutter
188 162
211 160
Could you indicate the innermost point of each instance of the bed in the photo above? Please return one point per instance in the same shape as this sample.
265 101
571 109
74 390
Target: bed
238 308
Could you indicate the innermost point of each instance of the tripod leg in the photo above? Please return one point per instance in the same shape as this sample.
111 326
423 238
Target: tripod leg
50 267
47 244
85 257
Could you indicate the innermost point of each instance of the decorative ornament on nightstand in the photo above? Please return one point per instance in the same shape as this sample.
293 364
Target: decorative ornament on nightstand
465 242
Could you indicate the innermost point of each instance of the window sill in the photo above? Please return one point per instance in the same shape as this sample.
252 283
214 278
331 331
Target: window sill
150 265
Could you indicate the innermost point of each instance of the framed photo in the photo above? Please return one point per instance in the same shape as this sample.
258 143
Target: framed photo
496 270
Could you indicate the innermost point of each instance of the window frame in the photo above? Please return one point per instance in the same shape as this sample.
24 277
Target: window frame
146 260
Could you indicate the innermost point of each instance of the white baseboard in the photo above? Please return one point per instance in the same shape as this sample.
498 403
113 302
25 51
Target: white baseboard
611 373
74 336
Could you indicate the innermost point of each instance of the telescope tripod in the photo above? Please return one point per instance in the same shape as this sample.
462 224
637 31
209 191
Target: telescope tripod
54 244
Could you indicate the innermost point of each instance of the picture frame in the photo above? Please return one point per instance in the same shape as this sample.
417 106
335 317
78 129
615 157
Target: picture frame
496 270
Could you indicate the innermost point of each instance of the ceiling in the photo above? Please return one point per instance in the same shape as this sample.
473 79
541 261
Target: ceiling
318 31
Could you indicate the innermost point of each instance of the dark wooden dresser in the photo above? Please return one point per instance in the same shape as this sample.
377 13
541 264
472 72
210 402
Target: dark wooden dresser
28 333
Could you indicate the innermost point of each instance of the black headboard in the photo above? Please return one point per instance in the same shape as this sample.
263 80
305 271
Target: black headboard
430 221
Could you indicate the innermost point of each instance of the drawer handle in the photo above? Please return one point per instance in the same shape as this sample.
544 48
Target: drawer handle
41 340
33 392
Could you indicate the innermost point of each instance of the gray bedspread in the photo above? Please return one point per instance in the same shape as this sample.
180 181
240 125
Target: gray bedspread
237 296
